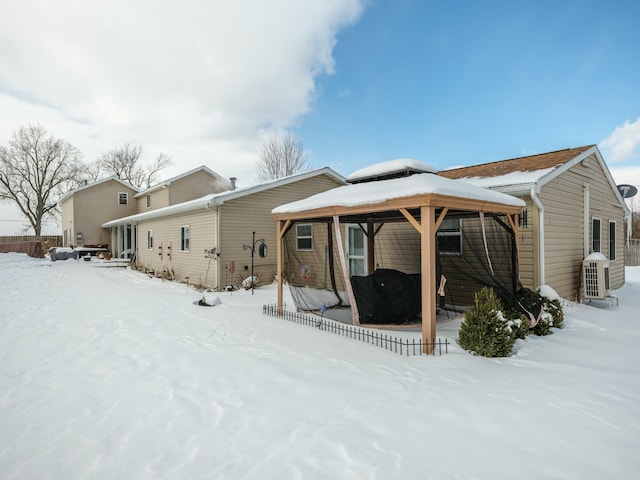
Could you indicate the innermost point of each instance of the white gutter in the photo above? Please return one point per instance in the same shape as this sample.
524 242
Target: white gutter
586 209
540 207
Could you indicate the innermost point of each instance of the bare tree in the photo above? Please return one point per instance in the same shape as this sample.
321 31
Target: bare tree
124 162
35 170
281 155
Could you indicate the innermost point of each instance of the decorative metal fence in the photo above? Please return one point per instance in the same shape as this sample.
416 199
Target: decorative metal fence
382 340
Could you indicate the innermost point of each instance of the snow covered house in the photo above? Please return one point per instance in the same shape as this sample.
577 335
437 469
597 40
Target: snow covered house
208 240
87 207
573 208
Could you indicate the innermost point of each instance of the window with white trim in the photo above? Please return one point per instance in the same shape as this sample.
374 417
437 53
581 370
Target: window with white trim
149 239
123 198
185 238
596 235
612 240
148 200
450 237
304 236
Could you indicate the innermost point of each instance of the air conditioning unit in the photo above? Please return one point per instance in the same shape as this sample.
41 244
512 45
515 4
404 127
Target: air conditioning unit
595 276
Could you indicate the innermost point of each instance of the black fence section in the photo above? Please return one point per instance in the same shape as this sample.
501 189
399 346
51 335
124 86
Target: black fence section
393 344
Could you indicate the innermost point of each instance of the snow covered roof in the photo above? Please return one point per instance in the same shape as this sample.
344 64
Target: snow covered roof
517 174
385 190
390 169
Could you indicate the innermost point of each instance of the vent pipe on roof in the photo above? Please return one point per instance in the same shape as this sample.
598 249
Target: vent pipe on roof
233 181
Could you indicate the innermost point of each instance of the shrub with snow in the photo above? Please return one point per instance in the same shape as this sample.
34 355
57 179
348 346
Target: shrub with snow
250 282
209 299
552 315
485 331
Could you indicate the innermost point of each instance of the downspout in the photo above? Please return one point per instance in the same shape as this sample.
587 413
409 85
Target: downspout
586 208
216 247
218 234
540 207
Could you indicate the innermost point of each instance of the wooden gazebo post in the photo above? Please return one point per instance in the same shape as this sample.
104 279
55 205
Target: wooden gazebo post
281 228
428 272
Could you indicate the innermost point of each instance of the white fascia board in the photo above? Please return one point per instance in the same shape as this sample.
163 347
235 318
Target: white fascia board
202 203
595 151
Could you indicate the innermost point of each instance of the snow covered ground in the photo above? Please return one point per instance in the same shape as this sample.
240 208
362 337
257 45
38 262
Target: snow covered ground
108 374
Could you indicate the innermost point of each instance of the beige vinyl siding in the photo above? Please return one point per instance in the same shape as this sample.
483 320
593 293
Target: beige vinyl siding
166 256
315 260
193 186
563 200
68 222
159 199
527 247
97 205
241 216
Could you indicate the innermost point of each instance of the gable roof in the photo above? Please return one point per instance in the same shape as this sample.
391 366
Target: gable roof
70 193
515 171
518 176
169 181
207 201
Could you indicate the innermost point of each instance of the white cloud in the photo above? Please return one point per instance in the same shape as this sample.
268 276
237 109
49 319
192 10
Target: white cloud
197 79
623 143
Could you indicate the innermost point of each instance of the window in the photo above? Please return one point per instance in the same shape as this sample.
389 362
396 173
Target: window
612 240
522 219
356 252
450 236
149 239
304 236
596 235
148 200
123 198
185 238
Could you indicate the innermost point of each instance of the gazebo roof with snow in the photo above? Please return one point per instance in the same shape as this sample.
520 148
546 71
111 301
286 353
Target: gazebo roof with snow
406 190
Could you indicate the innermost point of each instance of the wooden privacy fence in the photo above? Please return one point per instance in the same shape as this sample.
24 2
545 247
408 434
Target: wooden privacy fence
45 240
632 254
400 346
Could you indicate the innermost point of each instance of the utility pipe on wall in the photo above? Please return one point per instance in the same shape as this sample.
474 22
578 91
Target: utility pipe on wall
586 207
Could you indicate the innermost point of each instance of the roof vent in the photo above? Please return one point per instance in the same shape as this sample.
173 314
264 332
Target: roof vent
402 167
233 181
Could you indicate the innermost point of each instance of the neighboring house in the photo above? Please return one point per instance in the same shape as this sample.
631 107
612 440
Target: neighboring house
208 241
573 209
89 206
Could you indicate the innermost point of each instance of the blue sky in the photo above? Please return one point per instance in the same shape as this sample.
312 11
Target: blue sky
457 83
360 81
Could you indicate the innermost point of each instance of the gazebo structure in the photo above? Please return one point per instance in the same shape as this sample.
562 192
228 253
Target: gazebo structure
397 191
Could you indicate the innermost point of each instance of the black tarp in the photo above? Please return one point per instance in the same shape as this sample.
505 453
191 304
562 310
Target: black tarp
387 297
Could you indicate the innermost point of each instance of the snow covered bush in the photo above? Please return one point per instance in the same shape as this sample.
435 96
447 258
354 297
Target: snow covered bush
250 282
551 303
485 331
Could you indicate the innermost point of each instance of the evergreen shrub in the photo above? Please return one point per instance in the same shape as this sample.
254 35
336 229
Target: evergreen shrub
485 331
